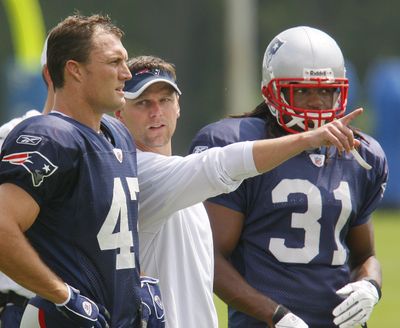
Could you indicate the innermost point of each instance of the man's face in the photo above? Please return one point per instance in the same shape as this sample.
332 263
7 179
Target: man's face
152 117
105 73
310 99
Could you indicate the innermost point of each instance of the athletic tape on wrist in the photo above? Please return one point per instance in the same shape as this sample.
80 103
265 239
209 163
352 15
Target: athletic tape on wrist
376 285
279 313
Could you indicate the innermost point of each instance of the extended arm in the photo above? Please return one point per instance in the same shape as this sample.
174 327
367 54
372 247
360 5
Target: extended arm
168 184
171 183
268 154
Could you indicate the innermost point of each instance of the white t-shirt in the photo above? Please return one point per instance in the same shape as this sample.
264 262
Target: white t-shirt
177 248
6 284
181 256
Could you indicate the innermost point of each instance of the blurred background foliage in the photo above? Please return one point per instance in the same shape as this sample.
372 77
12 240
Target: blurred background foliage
217 47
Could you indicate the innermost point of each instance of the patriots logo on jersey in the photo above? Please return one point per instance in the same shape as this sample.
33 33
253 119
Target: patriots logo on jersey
35 163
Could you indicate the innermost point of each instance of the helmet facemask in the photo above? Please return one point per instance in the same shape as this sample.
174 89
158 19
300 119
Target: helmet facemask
279 94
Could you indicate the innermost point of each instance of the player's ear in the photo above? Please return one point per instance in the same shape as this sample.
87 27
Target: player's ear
73 69
46 76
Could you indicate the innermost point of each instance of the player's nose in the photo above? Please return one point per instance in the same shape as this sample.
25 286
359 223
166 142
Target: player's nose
314 100
125 72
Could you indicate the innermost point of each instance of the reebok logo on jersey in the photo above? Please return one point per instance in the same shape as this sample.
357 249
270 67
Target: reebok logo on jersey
35 163
28 140
199 149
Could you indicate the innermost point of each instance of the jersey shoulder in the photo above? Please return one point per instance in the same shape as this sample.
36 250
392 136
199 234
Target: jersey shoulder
371 145
118 131
6 128
66 131
227 131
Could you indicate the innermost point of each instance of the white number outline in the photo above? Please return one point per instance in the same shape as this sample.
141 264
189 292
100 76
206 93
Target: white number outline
122 240
309 221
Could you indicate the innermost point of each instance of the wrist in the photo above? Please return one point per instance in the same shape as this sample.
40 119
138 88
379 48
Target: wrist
306 140
374 283
69 291
279 313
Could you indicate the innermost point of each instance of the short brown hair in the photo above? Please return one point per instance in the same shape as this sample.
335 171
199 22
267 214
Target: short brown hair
72 39
139 63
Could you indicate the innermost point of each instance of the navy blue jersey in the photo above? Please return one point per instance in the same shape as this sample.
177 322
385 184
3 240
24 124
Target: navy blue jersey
86 186
292 247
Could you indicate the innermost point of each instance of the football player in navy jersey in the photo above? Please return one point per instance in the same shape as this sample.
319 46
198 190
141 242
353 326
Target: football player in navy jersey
294 247
69 180
13 297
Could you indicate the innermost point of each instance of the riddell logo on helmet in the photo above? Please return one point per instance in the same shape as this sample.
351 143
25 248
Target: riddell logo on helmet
318 73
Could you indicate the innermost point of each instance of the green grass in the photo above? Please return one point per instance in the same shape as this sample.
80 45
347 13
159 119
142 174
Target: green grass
222 312
387 233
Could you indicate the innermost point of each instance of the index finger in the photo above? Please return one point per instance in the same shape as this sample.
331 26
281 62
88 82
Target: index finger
351 116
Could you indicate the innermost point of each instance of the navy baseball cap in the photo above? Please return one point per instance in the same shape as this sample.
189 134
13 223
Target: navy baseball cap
141 80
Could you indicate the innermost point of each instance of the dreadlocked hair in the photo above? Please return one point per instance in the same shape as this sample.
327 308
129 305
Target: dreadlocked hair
262 111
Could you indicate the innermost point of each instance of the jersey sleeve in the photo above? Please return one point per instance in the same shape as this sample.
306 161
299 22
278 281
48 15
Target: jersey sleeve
209 137
226 132
37 164
168 184
236 200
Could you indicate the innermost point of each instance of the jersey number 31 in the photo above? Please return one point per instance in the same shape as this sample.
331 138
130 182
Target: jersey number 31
309 221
